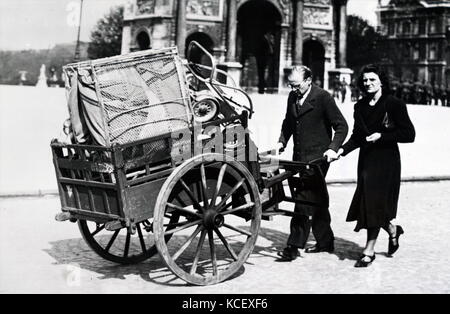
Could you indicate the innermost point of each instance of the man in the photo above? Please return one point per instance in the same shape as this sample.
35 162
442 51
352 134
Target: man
448 96
311 116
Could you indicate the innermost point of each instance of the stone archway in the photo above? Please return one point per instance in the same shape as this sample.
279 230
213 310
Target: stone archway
143 40
314 58
258 44
202 38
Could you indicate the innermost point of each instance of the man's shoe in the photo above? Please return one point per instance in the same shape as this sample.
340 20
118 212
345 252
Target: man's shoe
288 254
316 249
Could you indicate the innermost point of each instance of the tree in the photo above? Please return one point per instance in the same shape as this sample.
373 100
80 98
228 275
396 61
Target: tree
362 43
106 37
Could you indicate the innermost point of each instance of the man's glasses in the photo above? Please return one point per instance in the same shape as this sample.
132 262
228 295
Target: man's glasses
295 86
298 85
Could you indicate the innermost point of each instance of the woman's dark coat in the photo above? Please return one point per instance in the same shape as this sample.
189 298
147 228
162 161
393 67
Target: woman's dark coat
375 201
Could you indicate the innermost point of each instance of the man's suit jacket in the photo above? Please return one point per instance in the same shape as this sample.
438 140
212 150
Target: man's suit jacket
311 125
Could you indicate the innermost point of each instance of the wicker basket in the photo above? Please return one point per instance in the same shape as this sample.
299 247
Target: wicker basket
127 98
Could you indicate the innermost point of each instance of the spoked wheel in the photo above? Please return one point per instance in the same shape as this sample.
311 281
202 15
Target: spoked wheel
220 214
121 246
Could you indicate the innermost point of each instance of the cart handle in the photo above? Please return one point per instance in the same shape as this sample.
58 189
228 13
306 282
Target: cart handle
266 155
318 160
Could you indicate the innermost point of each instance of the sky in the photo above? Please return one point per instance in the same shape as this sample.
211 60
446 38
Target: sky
40 24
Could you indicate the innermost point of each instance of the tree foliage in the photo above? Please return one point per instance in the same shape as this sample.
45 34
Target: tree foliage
30 61
106 37
362 43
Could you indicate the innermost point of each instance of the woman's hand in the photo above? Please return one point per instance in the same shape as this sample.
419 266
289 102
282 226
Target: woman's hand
340 152
331 155
373 137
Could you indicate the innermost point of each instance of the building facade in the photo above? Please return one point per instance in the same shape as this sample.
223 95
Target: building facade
257 40
417 40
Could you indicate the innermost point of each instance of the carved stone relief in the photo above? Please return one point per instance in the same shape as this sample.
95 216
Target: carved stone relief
145 7
157 7
321 2
316 16
204 8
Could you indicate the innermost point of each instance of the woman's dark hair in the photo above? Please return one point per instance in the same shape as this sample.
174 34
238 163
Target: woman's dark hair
373 68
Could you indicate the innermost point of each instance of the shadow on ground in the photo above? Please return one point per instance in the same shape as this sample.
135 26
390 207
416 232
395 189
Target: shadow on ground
77 252
344 249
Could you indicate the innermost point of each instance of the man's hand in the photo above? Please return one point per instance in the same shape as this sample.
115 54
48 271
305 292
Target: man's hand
331 155
373 137
279 148
340 152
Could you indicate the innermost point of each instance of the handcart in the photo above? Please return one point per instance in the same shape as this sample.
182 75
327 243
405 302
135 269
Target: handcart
154 169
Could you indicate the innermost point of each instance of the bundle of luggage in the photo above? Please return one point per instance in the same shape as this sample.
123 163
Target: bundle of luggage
127 98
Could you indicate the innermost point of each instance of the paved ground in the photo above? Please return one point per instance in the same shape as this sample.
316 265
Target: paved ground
39 255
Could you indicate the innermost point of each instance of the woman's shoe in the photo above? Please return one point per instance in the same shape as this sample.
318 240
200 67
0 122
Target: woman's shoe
362 262
393 247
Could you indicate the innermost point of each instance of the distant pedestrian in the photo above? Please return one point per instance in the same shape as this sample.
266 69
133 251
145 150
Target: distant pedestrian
318 82
424 95
418 92
437 94
353 91
443 95
430 94
394 88
405 92
344 86
448 96
336 88
381 121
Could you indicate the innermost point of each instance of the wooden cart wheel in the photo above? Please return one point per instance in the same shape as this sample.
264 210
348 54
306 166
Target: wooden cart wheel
213 238
121 246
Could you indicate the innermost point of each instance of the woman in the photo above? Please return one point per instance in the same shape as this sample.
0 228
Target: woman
381 121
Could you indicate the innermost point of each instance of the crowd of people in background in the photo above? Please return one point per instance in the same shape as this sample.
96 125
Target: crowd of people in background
411 93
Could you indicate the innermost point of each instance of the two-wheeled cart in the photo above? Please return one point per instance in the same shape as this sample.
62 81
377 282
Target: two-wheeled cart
160 172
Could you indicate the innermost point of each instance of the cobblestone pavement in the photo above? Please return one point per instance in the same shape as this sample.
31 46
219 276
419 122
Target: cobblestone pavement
40 255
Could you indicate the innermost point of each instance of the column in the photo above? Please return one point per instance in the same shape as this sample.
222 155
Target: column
231 30
284 55
343 34
181 27
336 14
126 39
231 66
326 75
297 55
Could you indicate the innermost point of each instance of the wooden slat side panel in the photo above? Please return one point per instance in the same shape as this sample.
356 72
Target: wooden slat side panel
140 200
101 167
